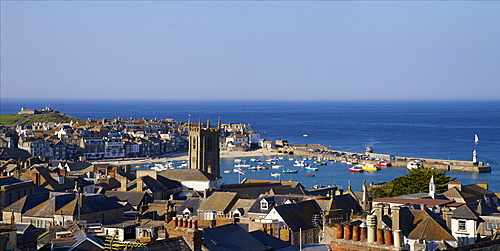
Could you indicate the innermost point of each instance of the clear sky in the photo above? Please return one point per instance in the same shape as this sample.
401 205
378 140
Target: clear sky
294 50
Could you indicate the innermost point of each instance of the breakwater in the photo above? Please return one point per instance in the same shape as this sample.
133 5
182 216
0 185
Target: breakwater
322 152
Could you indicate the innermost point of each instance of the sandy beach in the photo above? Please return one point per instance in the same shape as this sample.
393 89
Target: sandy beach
184 156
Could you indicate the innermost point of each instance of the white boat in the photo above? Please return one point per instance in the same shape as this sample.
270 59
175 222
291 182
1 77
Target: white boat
413 165
300 163
277 166
227 171
275 174
309 168
242 165
476 139
237 160
305 135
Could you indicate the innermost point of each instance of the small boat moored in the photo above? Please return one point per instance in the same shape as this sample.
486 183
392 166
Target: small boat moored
290 171
356 169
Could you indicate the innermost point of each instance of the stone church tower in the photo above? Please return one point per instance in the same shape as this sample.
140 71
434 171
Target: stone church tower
204 148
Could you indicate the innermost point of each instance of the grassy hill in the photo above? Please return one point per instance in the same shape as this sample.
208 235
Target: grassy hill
29 119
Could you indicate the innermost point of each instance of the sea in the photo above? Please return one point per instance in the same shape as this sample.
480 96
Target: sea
420 129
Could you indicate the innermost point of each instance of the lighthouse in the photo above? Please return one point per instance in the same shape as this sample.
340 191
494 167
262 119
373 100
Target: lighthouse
474 156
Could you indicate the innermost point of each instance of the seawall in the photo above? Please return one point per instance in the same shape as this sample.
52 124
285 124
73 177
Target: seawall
395 161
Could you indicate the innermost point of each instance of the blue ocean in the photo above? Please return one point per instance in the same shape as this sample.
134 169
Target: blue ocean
427 129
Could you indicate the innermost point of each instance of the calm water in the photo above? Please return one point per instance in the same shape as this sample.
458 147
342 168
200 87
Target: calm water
429 129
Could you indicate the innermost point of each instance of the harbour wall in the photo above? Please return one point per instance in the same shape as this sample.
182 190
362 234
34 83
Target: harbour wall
396 161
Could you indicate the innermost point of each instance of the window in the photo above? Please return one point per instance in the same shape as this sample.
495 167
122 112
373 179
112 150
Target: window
264 205
461 225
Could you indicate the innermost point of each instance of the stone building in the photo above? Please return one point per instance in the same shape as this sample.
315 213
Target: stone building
204 148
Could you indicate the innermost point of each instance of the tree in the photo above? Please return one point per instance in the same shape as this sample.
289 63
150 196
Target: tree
416 181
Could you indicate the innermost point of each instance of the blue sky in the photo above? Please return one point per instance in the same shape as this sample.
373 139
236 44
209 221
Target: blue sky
335 50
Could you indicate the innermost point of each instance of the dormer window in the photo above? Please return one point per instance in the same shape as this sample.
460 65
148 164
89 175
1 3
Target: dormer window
264 205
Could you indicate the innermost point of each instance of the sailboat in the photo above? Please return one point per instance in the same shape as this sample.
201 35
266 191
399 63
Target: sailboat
476 139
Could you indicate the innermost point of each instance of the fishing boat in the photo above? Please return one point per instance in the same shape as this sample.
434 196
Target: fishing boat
290 171
300 163
241 165
310 175
383 164
476 139
310 168
275 174
356 169
413 165
370 167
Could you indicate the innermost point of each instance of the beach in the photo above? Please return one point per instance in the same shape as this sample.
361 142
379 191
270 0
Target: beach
184 156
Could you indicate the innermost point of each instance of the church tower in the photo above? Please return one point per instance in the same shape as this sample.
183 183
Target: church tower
204 148
432 188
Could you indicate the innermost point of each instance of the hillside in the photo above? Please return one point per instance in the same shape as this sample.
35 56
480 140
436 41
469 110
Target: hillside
29 119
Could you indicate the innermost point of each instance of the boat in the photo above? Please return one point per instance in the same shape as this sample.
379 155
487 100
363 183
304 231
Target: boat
310 175
370 167
305 135
310 168
237 160
265 167
383 163
241 165
300 163
290 171
476 139
277 166
275 174
356 169
237 170
227 171
413 165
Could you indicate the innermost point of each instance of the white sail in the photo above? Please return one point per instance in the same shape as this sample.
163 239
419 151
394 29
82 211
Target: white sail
476 139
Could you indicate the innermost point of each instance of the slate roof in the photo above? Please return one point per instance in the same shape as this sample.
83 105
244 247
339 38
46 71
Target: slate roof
254 190
243 205
298 215
429 229
345 202
76 166
184 194
230 237
272 202
83 236
219 202
49 183
427 202
172 244
4 181
268 240
27 202
49 204
14 153
410 219
282 182
133 197
192 203
188 175
468 193
472 211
